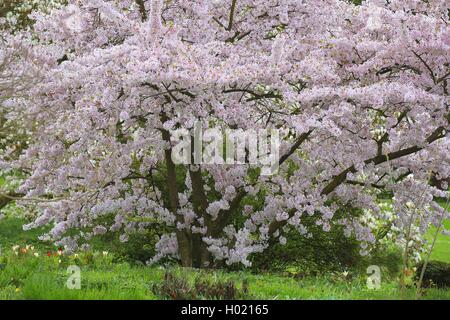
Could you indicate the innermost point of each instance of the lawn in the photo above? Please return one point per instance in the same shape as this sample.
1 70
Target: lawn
35 275
45 278
441 251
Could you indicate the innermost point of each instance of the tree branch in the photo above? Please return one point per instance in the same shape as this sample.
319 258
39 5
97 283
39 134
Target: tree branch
225 215
379 159
433 76
302 138
6 199
231 19
342 177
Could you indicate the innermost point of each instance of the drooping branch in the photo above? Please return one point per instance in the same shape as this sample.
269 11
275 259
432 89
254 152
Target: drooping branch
433 76
277 225
379 159
14 196
255 95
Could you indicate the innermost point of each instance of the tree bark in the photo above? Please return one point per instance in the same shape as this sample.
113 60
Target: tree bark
184 237
201 255
8 198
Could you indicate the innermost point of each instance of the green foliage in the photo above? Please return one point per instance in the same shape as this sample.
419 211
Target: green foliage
436 274
327 252
139 248
387 257
323 253
11 233
25 275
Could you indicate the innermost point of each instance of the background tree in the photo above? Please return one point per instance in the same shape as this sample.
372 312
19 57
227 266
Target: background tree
14 81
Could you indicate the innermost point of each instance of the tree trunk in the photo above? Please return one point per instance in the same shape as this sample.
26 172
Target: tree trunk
184 237
185 248
192 250
201 255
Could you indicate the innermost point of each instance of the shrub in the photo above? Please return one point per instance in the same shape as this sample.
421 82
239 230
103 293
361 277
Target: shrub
221 290
323 253
436 274
327 252
173 287
139 247
388 257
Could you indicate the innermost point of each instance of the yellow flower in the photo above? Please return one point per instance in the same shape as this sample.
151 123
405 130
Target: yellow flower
17 290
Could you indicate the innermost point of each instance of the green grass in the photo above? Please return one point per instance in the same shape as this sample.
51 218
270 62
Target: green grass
441 250
11 233
25 276
38 279
119 283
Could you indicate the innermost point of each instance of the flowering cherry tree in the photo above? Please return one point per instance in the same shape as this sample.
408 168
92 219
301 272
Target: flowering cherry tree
362 91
